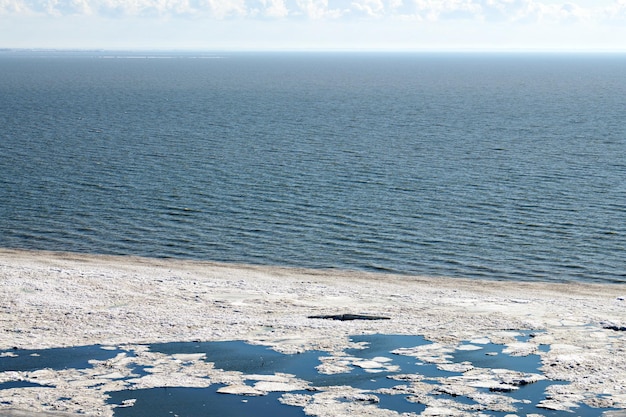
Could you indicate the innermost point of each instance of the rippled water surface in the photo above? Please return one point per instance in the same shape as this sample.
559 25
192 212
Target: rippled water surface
492 166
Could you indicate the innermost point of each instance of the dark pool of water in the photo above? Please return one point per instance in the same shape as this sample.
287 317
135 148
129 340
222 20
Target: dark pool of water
21 384
75 357
490 356
259 359
200 402
246 358
256 359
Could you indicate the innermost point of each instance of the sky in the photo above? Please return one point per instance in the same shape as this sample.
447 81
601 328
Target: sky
380 25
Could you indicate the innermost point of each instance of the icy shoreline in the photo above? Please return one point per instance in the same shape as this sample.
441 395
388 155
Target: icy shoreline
59 300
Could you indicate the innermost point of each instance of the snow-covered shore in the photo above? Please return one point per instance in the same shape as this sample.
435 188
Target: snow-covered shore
59 299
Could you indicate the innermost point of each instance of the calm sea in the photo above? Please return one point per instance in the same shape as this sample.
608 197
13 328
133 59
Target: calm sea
495 166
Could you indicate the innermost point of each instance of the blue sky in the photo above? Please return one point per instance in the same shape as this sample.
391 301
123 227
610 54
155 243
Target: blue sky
576 25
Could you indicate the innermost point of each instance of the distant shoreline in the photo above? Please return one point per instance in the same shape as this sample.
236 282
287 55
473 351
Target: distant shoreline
423 51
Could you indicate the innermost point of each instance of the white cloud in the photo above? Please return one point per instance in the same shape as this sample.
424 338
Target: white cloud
520 11
275 8
430 10
12 7
370 8
420 10
570 12
47 7
617 12
507 10
355 23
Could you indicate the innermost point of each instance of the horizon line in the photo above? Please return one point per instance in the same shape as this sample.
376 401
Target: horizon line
156 49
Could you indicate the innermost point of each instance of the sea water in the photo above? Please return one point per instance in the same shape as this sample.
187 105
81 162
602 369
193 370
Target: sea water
500 166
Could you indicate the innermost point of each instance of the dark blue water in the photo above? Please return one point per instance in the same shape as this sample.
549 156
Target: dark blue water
75 357
255 359
199 402
489 166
